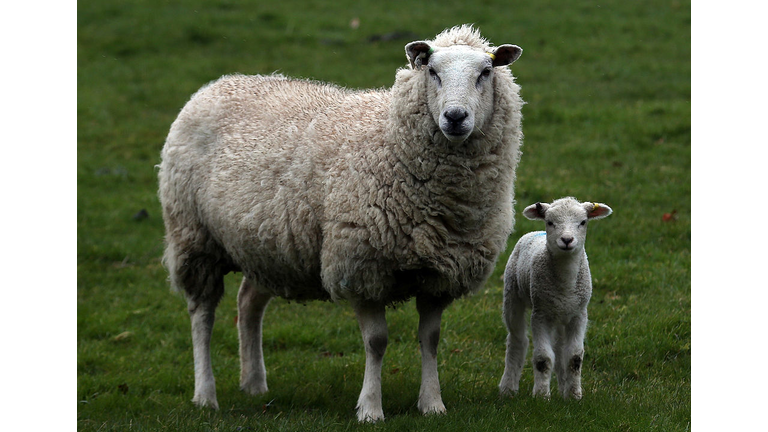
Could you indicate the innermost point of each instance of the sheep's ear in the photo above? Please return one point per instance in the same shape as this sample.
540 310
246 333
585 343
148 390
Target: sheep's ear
505 54
536 211
418 53
597 210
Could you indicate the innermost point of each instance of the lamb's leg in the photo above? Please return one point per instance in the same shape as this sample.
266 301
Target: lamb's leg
517 346
373 326
251 304
202 316
430 312
572 357
543 355
561 361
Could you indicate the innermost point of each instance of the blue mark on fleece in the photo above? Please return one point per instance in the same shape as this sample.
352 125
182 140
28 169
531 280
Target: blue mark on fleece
539 234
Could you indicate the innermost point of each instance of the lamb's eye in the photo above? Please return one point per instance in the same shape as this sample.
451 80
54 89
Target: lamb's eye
550 224
584 222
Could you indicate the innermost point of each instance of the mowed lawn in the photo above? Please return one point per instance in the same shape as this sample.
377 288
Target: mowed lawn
608 119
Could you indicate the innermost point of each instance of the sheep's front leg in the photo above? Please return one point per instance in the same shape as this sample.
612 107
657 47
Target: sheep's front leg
251 305
517 345
202 315
572 356
373 326
430 312
543 354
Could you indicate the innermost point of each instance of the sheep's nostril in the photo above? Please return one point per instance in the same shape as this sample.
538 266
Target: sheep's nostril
567 240
456 115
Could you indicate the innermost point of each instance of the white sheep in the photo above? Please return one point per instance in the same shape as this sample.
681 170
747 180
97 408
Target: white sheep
318 192
548 272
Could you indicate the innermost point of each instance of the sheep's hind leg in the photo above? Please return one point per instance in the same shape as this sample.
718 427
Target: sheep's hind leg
373 326
251 305
517 346
430 313
202 315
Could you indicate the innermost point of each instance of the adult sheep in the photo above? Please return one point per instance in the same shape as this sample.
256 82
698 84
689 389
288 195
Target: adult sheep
318 192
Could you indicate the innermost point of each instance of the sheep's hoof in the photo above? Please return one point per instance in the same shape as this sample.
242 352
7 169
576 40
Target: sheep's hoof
435 409
254 389
205 402
369 416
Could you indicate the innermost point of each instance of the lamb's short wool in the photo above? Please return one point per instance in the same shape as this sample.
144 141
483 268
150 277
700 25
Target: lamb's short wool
313 191
548 272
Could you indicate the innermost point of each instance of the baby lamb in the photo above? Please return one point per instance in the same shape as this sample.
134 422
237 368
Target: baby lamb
549 273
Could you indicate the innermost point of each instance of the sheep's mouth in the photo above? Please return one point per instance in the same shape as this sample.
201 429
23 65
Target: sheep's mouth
455 138
456 132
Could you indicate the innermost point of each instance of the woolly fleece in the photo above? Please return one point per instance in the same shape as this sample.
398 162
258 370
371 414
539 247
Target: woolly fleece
320 192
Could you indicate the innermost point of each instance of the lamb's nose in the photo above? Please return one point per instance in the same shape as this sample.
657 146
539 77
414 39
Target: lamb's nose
566 240
456 115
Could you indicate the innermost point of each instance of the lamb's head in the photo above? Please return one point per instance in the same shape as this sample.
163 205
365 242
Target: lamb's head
459 80
566 222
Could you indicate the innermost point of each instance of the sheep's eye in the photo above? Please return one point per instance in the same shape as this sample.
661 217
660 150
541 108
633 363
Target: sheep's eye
434 76
584 222
483 76
550 224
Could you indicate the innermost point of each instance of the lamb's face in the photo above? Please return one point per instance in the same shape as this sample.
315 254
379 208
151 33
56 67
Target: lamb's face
460 90
566 222
566 226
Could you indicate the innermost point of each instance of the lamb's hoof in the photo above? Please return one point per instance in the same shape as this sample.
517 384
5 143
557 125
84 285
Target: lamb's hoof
206 402
507 391
575 394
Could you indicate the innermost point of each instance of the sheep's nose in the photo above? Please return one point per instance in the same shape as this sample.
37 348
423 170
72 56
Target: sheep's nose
566 240
456 115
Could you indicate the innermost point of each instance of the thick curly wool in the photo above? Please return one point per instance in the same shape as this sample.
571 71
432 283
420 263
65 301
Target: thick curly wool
316 191
319 192
461 35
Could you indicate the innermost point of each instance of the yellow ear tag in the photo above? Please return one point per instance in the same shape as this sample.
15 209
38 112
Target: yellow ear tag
597 206
493 56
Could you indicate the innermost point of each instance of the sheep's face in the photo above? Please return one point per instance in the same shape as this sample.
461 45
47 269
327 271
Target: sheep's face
566 222
459 82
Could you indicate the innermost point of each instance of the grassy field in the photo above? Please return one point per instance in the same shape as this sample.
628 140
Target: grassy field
608 119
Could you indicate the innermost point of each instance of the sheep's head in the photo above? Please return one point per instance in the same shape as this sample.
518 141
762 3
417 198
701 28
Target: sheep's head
566 221
459 81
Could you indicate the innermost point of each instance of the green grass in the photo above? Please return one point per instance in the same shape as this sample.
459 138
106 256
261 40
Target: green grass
608 119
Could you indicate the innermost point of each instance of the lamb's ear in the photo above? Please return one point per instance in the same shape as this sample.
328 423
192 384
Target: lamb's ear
505 54
597 210
536 211
418 53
